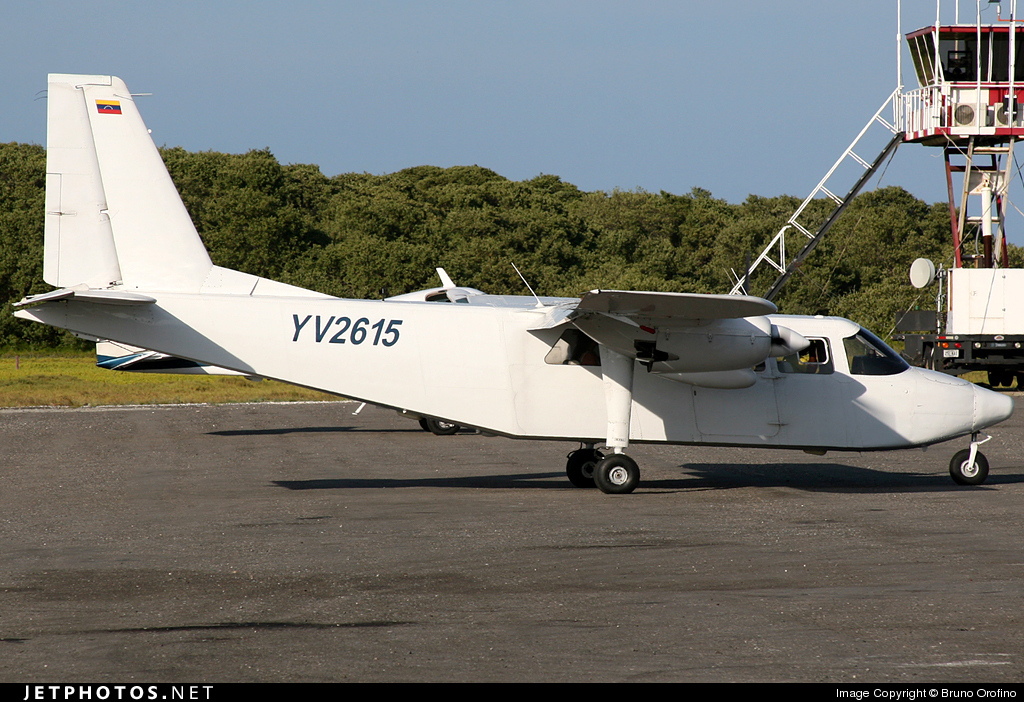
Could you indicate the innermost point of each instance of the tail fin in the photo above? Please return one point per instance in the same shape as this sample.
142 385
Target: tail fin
113 215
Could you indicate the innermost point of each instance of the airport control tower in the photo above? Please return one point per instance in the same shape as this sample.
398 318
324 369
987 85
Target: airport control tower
970 103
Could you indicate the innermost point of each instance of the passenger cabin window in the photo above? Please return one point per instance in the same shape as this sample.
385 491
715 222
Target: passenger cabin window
574 348
815 359
869 355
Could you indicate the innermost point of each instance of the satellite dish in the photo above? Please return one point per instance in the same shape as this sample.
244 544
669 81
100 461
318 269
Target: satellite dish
922 273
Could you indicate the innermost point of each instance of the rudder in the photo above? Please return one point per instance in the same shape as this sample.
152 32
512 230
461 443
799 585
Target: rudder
113 214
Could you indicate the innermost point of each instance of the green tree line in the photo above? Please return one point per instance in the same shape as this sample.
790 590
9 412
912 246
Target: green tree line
364 236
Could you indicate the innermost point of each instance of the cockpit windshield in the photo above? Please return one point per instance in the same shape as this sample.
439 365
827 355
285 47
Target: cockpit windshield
869 355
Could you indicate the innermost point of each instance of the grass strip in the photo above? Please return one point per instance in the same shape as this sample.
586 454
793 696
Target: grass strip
70 379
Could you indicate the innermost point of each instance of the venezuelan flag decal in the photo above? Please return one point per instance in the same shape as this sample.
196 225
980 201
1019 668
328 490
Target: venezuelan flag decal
108 107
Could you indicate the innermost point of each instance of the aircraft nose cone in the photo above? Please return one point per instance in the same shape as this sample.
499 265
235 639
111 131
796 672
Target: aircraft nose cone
990 407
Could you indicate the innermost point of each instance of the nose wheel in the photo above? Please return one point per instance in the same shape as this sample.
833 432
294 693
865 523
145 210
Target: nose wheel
965 471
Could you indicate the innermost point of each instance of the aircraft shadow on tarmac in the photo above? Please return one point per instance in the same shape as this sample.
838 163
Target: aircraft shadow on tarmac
821 477
523 480
699 476
249 626
306 430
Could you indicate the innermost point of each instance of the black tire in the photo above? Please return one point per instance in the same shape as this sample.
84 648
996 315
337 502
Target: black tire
965 474
441 427
617 474
423 424
999 378
580 467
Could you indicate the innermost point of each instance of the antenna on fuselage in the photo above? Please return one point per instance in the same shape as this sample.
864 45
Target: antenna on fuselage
523 278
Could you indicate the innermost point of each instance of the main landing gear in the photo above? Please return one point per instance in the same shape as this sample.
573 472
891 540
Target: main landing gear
439 427
617 474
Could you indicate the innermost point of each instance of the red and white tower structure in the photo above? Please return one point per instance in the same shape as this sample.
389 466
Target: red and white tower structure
970 103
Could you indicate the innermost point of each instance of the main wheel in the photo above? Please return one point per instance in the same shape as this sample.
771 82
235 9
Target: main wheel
964 472
580 467
441 427
617 474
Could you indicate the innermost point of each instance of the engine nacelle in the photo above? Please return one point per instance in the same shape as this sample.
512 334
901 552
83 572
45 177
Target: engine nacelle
718 345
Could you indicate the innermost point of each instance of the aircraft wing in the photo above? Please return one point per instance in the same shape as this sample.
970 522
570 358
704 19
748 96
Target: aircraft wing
708 340
668 307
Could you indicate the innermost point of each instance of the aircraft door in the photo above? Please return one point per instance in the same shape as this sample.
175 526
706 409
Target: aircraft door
809 394
736 413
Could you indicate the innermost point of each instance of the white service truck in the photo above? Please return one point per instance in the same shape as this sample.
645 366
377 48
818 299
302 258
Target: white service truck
983 330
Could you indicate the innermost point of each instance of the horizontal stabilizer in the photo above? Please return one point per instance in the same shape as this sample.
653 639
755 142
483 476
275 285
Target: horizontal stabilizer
103 297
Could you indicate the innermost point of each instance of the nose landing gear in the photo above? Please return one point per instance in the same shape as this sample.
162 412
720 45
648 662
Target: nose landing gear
969 466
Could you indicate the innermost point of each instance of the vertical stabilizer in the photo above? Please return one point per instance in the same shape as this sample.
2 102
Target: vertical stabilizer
113 214
79 243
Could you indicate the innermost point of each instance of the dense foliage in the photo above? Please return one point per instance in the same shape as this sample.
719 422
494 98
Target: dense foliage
360 235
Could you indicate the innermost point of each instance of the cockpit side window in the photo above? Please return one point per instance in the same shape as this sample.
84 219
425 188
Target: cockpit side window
866 354
815 359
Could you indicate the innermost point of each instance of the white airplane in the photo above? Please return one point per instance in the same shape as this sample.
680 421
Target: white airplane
611 368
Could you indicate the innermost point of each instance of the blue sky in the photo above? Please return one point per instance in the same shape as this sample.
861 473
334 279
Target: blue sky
735 97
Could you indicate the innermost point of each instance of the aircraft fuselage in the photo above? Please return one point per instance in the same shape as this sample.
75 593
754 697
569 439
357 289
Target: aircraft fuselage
491 368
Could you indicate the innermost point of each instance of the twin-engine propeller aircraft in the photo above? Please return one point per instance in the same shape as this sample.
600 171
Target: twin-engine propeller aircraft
611 368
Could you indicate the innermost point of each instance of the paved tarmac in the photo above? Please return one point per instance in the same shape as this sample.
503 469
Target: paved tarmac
301 543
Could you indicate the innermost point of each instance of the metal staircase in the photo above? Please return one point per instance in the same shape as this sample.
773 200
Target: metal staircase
774 254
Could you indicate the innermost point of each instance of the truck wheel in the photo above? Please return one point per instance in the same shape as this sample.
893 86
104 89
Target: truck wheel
1000 377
